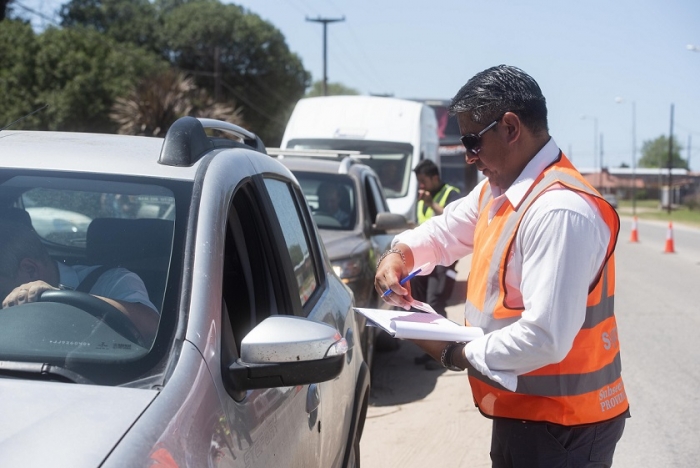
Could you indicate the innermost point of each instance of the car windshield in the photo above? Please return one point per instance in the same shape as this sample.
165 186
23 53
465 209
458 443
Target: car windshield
332 199
94 239
391 161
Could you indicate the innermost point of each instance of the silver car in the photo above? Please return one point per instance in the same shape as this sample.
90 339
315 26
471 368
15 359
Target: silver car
256 360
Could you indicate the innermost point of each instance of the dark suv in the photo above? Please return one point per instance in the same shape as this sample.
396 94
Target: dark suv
256 359
348 204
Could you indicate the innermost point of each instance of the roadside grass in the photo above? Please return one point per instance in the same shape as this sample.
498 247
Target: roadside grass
649 209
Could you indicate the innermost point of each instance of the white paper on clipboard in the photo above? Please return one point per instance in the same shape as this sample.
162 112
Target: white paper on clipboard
419 325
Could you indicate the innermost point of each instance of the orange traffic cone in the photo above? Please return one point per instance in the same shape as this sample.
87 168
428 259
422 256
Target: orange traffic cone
669 239
634 236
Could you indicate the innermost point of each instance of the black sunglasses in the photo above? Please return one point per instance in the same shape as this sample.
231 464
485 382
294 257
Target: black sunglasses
472 141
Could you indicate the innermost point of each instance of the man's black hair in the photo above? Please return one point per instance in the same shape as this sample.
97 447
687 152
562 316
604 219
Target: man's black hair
493 92
427 167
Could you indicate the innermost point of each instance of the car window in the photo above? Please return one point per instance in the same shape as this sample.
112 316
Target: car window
390 160
247 293
98 244
374 192
332 199
295 236
63 216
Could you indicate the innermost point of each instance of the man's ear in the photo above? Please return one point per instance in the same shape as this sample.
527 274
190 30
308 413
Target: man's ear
513 126
30 269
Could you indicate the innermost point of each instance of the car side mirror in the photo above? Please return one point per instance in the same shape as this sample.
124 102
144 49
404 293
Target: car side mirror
284 351
389 222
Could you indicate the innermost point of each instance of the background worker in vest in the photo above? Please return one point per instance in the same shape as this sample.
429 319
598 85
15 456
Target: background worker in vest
541 283
435 288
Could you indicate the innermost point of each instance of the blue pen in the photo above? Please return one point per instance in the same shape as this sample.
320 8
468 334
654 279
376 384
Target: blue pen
407 278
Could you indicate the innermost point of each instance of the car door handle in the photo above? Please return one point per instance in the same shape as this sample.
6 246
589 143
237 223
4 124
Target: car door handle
350 338
313 398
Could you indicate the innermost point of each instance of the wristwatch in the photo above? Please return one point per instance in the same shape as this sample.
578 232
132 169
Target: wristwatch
446 356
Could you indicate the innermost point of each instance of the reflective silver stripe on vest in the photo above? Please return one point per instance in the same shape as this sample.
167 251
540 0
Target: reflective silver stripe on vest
486 197
594 314
560 385
603 310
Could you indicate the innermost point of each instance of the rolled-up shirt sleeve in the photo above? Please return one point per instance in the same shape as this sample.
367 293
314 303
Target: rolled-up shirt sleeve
122 285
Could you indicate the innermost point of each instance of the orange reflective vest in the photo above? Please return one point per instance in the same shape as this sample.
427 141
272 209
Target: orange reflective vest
440 198
586 386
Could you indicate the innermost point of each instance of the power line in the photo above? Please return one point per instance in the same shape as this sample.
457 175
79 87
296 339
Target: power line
39 14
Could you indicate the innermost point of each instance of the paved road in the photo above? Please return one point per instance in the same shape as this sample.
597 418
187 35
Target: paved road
423 418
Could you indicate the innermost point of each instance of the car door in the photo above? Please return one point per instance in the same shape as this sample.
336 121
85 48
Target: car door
321 297
275 426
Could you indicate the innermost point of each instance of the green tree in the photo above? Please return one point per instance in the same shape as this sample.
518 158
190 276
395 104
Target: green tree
231 53
655 154
18 44
132 21
236 55
334 89
80 72
4 9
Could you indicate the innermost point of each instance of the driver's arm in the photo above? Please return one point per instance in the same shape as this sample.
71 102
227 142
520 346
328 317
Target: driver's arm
144 318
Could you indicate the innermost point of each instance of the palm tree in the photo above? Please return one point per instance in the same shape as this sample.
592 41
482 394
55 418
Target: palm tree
155 103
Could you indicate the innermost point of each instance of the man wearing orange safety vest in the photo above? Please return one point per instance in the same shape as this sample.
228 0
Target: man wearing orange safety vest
541 283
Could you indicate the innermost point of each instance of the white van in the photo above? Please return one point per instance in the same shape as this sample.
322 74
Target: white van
396 133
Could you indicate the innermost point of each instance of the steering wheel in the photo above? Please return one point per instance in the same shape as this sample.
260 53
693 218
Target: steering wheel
326 220
96 307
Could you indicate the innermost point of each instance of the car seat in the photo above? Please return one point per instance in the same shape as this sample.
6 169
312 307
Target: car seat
16 215
143 246
344 199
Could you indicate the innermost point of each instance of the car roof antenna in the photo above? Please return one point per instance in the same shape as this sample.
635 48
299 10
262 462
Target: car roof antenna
24 117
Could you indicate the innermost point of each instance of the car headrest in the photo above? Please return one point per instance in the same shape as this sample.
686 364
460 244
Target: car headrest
16 215
119 242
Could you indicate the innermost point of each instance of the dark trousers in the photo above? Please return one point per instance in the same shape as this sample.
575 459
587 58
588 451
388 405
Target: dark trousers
435 288
519 444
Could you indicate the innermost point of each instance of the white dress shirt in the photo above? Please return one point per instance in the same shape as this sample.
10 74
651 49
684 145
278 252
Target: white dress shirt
558 251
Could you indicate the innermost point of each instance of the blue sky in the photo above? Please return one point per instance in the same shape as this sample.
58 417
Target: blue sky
584 54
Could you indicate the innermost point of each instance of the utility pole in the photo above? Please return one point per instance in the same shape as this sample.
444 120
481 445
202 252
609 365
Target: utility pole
670 163
325 22
634 159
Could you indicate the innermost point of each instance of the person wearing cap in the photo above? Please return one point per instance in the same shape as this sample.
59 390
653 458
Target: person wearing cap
541 283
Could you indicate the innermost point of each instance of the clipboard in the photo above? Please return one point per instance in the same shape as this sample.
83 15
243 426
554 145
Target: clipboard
408 325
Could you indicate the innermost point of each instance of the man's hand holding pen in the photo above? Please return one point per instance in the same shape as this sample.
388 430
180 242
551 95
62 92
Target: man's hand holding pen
391 281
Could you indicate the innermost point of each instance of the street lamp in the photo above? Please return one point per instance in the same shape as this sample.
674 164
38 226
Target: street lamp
620 100
595 138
